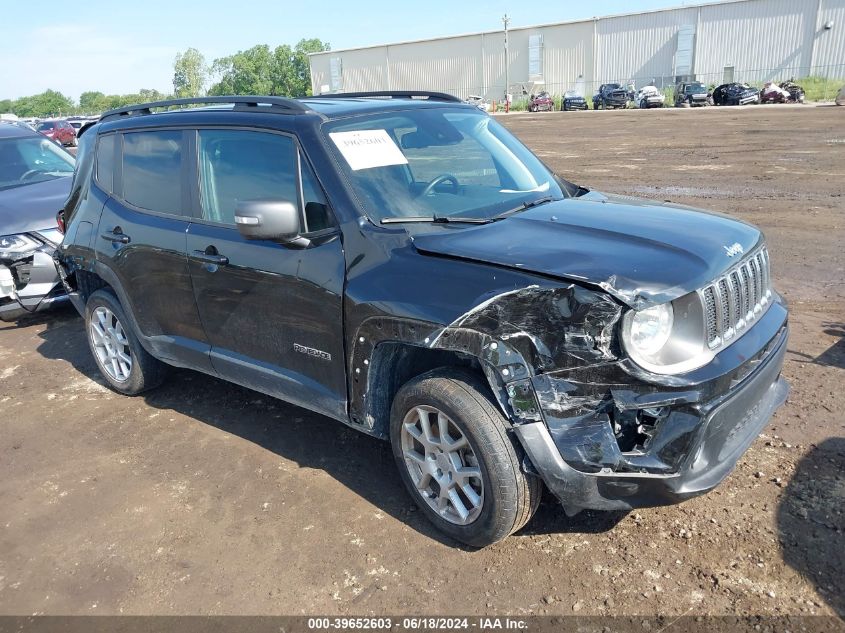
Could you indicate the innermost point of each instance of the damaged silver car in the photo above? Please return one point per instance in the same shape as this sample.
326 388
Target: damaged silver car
35 177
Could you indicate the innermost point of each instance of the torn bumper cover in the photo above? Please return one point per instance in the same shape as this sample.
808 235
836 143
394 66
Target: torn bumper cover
29 283
688 450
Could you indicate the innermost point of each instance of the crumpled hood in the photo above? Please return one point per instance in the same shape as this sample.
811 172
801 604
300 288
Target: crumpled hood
32 207
640 251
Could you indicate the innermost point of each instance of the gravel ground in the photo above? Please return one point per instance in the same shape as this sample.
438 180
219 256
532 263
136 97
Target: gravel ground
203 497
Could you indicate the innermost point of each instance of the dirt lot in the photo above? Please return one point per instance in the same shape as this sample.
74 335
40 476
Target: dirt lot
206 498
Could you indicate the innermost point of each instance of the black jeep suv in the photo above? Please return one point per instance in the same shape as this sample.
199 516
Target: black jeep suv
403 264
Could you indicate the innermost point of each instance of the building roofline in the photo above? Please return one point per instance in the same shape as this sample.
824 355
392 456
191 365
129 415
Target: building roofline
524 28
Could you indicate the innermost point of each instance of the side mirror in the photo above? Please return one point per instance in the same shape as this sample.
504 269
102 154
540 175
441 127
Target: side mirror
276 220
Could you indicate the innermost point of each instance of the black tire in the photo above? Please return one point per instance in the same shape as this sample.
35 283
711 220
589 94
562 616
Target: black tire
510 496
146 371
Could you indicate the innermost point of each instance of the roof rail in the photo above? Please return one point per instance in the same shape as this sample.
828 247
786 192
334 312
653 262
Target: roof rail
282 104
390 94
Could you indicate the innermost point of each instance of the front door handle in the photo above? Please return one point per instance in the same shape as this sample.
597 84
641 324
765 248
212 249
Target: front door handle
211 256
116 235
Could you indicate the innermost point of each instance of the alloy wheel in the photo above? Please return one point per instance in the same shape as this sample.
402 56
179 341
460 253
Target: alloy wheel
442 464
110 344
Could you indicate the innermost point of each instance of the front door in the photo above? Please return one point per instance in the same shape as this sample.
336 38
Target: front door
273 313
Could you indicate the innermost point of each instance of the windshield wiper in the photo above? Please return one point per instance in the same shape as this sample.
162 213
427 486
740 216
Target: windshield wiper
436 220
525 205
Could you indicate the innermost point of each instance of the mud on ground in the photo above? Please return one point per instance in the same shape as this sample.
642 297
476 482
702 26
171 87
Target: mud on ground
202 497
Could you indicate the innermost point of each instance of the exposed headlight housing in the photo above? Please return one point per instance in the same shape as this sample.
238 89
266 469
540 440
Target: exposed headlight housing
14 247
669 338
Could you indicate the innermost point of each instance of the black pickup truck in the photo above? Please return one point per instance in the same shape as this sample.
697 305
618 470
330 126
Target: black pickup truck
610 96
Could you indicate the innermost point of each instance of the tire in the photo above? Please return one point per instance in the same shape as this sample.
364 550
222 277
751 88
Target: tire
127 367
505 498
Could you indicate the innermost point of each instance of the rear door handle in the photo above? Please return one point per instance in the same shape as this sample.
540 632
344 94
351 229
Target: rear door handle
116 235
211 258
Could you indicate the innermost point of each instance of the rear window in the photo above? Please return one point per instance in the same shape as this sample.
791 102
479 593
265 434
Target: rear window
152 170
48 125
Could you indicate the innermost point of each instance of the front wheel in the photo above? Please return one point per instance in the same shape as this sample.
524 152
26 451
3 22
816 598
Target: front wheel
457 459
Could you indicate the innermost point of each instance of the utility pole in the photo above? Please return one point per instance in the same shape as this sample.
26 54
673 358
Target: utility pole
506 21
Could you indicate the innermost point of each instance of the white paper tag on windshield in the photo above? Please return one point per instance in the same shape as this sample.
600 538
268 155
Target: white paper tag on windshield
364 149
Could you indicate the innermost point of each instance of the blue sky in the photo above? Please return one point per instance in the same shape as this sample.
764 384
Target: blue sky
121 47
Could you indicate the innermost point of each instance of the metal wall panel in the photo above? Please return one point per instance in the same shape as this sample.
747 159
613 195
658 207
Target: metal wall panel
761 39
451 65
640 47
829 57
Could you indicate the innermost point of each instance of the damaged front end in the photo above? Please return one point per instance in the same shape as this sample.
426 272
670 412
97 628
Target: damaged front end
602 432
28 278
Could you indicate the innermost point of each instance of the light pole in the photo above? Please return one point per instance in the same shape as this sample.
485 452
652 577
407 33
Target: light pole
506 20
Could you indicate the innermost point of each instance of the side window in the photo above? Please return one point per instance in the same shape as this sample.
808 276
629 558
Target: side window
237 165
105 161
152 170
317 214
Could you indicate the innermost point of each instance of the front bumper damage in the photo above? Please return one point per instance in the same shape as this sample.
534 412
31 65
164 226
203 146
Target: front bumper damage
31 284
608 436
692 448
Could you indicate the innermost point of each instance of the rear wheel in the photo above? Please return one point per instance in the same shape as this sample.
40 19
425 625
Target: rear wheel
458 460
127 367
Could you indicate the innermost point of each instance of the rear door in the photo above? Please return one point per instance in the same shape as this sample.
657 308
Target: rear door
273 313
141 240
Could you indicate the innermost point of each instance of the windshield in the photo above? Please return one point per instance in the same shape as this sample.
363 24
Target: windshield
28 160
696 88
439 162
572 93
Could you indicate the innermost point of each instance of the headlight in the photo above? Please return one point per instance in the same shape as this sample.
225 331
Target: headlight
16 246
650 329
669 338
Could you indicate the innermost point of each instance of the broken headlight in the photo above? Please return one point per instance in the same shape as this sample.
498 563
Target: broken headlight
668 338
14 247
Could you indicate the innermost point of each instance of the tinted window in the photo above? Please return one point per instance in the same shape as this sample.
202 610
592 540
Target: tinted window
105 161
43 127
152 170
237 165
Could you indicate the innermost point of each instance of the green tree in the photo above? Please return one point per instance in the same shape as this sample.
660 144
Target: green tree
190 74
5 105
91 102
283 71
48 103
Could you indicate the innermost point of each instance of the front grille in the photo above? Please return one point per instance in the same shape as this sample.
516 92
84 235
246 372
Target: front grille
734 300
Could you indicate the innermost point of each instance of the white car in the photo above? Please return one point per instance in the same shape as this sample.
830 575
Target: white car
479 102
840 98
650 97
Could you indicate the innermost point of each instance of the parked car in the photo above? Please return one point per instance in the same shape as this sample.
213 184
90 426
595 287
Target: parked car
649 97
773 93
735 94
403 264
840 97
573 100
610 96
541 102
59 130
479 102
691 94
35 178
796 92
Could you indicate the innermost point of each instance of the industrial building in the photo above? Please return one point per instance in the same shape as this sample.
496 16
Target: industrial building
736 40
